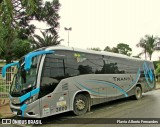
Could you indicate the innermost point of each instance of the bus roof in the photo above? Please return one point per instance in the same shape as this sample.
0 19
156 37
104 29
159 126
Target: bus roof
92 52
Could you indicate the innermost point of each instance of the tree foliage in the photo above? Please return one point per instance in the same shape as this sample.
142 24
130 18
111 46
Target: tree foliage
158 69
120 48
20 13
7 35
124 49
107 48
46 40
148 44
16 18
115 50
21 47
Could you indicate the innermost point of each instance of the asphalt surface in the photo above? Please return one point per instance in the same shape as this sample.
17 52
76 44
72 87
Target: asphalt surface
147 107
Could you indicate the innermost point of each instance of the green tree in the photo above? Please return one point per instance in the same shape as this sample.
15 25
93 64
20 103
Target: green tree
15 22
107 48
21 47
158 70
148 44
46 40
124 49
14 50
115 50
7 35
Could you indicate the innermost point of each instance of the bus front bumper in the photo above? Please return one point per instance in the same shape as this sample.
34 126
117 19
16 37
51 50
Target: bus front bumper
24 111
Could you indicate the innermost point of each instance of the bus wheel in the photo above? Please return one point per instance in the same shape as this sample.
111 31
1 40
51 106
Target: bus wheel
138 93
80 105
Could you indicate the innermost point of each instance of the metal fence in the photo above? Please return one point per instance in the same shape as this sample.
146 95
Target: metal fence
5 82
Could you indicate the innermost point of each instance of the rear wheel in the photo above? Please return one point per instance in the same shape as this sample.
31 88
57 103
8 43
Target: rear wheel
138 93
80 105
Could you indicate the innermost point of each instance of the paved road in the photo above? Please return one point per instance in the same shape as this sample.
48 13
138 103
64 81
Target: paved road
147 107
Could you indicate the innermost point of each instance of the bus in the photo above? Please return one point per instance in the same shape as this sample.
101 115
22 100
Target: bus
57 79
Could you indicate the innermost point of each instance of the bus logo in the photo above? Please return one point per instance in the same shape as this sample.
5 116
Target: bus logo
148 75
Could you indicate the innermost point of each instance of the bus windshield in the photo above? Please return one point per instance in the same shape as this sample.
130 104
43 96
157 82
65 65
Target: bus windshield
24 81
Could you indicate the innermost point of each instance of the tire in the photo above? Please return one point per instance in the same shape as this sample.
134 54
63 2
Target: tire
138 93
80 105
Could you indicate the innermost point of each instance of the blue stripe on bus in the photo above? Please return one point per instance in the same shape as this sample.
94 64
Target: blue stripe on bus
106 83
136 79
95 92
138 74
110 84
147 69
28 57
23 108
25 97
35 91
7 66
29 94
148 74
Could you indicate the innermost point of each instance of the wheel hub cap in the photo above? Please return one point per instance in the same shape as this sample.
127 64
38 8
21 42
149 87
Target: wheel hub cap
80 104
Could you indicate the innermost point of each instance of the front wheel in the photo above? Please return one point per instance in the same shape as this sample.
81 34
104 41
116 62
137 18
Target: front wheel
138 93
80 105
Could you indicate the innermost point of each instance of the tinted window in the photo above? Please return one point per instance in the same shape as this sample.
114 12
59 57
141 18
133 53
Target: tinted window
53 71
79 63
53 68
110 66
115 65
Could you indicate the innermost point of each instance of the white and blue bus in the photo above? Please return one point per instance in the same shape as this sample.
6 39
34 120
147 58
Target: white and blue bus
53 80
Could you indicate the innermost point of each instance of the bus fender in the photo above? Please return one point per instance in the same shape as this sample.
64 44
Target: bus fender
87 94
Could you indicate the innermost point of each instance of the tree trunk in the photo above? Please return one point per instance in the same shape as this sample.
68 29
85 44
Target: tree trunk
150 56
145 56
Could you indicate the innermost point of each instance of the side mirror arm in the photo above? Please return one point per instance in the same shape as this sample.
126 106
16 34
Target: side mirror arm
4 69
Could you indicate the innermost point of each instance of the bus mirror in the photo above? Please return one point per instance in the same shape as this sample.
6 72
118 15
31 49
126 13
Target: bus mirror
28 57
4 69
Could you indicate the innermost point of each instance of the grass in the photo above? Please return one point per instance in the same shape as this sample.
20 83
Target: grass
2 64
2 89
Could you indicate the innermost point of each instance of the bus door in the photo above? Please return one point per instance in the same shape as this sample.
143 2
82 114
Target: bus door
54 97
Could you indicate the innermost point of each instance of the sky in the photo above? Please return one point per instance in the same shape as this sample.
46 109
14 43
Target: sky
101 23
